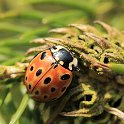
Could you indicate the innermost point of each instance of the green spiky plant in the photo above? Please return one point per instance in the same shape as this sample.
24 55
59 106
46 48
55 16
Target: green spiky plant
95 93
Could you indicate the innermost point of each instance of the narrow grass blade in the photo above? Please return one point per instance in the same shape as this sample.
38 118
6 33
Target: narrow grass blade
20 109
119 68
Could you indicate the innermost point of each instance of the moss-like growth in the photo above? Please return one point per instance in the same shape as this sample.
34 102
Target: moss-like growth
97 87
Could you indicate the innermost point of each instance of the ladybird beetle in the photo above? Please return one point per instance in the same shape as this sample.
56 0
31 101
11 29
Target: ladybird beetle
50 73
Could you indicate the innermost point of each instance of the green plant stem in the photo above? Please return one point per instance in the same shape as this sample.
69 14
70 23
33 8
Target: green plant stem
119 68
3 95
20 109
13 28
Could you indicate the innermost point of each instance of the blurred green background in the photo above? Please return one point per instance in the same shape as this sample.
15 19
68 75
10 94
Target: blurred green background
21 21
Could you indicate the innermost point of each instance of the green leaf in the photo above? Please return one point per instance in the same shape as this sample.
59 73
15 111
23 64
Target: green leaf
118 68
3 95
20 110
12 27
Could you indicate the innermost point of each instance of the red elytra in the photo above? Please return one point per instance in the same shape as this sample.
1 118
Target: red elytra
44 79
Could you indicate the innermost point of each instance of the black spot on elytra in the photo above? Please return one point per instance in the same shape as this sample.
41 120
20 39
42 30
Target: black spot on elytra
31 69
65 77
55 66
43 55
26 78
47 80
63 89
38 72
36 92
45 97
29 86
52 63
53 89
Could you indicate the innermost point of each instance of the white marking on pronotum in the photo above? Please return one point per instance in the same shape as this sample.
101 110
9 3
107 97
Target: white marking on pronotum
61 62
58 48
57 58
74 62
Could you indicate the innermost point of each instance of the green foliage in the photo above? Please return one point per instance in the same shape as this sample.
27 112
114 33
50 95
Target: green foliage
21 21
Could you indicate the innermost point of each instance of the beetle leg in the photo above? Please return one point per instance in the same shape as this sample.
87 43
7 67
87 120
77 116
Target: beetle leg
75 68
